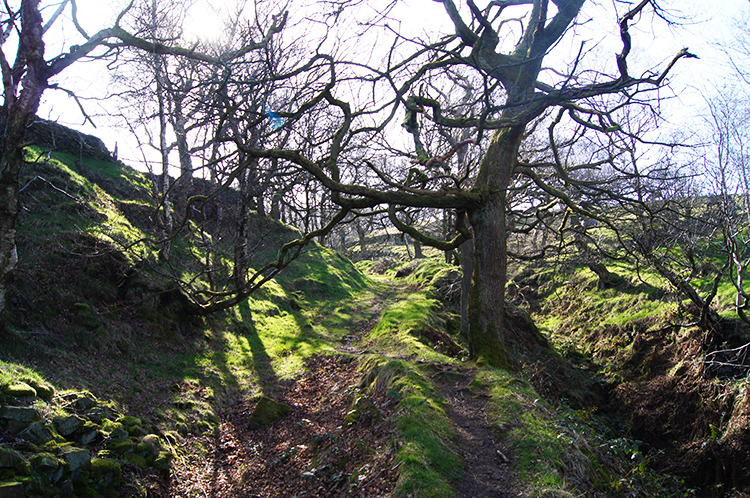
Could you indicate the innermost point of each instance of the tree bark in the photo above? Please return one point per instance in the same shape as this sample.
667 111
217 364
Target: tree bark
467 266
18 109
487 296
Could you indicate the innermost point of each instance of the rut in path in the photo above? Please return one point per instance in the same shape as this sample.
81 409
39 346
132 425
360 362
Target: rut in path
486 459
487 464
310 454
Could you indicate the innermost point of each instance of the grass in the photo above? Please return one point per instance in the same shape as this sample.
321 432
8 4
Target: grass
182 373
426 451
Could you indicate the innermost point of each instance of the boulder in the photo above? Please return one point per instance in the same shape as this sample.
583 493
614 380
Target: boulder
11 490
43 390
19 414
136 459
45 461
84 403
76 458
130 423
38 433
10 458
266 412
68 425
163 461
99 413
19 390
105 472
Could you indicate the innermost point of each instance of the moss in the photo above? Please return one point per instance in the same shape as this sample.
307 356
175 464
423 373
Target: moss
130 423
43 390
19 390
136 459
428 458
120 446
266 412
164 460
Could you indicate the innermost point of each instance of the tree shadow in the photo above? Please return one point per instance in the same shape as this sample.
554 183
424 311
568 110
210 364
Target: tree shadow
261 362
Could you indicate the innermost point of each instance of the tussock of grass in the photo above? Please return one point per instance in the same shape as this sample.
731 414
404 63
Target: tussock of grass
426 452
398 330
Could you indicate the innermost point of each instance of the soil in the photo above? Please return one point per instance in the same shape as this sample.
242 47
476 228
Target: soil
313 453
487 458
308 453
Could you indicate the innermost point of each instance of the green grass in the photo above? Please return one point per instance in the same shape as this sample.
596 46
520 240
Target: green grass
426 450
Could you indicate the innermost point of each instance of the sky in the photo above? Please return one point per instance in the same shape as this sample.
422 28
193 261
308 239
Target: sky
704 27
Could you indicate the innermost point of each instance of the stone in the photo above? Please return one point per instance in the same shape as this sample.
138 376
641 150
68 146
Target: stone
118 433
86 437
84 403
16 427
115 430
37 433
68 425
163 461
151 445
19 390
19 414
130 423
136 459
120 446
266 412
11 490
45 461
10 458
43 390
105 472
76 458
98 414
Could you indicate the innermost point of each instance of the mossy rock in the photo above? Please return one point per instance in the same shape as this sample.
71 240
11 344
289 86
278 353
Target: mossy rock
266 412
45 461
85 316
150 446
11 490
39 433
19 414
85 402
101 413
136 459
76 458
11 459
164 460
19 390
115 430
43 390
130 423
68 425
121 446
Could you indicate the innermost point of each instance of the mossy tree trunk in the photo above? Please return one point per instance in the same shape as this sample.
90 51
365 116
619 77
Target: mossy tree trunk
17 111
487 333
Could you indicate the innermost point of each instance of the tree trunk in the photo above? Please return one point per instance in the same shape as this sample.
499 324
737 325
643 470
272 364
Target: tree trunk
17 111
487 297
467 265
488 334
8 216
186 165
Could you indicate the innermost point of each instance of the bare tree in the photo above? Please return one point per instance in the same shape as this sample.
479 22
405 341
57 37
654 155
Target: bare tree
517 96
27 75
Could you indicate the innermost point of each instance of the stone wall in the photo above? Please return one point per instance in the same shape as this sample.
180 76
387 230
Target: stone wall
56 137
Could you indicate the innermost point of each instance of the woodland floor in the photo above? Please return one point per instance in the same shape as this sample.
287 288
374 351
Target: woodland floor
313 453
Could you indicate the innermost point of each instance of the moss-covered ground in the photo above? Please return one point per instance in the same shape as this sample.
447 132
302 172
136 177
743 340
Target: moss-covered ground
87 316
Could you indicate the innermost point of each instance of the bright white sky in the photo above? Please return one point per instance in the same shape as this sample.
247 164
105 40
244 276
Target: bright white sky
706 26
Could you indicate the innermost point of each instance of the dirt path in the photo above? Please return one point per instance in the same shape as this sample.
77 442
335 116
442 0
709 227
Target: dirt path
487 460
313 453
